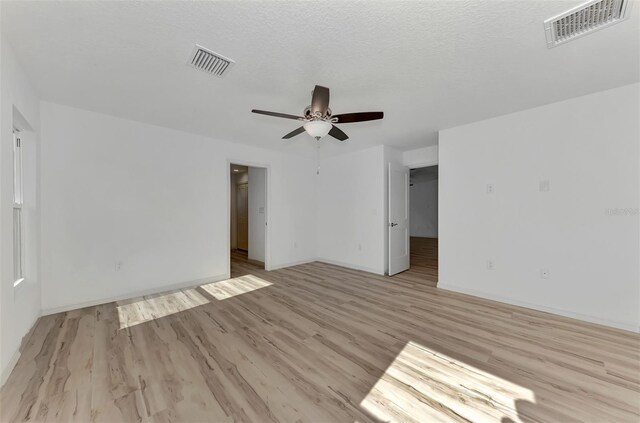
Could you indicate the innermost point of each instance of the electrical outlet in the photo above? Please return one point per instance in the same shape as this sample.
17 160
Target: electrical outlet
544 186
359 247
490 265
295 244
544 274
118 266
490 189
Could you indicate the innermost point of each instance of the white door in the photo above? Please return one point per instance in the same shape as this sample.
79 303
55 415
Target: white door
398 218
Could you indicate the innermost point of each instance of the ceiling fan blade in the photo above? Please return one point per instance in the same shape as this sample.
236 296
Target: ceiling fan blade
358 117
337 133
294 133
320 100
276 114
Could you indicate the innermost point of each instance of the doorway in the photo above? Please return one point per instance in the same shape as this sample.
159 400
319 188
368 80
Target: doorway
412 238
242 214
247 218
423 226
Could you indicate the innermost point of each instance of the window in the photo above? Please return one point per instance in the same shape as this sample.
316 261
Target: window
18 261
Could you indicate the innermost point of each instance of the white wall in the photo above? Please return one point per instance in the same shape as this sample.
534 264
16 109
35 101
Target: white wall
588 150
423 208
19 307
420 157
154 200
257 213
351 202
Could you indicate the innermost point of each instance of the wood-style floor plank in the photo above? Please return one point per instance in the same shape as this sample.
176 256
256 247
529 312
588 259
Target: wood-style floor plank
320 343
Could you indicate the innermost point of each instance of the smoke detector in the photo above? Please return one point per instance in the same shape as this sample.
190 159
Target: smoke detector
208 61
585 19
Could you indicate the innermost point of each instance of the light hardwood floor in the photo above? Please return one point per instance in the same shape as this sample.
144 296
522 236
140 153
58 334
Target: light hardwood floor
424 259
320 343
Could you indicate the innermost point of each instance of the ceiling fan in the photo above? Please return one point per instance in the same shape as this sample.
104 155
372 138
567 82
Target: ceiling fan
318 119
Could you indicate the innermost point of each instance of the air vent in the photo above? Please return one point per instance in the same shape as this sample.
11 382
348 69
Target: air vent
584 19
210 62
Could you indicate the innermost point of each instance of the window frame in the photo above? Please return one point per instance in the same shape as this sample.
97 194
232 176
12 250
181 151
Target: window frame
18 202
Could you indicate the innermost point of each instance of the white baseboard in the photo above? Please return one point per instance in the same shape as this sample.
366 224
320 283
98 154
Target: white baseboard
351 266
293 263
327 261
6 372
12 363
552 310
158 290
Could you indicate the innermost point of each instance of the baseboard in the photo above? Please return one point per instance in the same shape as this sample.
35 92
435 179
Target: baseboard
291 264
12 363
351 266
158 290
552 310
327 261
6 372
256 262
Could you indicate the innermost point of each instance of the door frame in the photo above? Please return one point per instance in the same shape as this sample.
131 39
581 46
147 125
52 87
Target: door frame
267 214
422 166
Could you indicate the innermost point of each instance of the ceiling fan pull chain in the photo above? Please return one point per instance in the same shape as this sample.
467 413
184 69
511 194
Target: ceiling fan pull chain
318 158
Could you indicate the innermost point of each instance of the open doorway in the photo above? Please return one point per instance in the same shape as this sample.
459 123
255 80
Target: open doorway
423 222
247 219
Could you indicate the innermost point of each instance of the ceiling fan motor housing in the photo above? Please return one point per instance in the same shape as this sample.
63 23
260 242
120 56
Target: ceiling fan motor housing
307 113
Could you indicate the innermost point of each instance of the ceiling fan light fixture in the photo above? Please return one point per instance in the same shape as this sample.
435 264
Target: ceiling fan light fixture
318 128
318 120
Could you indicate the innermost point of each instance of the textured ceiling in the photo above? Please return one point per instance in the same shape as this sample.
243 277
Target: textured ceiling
428 65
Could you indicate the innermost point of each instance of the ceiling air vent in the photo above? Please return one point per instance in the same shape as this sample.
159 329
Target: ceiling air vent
210 62
584 19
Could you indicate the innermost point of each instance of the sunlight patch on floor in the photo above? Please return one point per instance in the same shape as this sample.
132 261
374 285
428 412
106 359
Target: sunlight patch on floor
430 386
236 286
147 308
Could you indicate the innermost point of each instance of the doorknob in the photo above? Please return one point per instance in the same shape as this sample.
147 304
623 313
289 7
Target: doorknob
393 224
